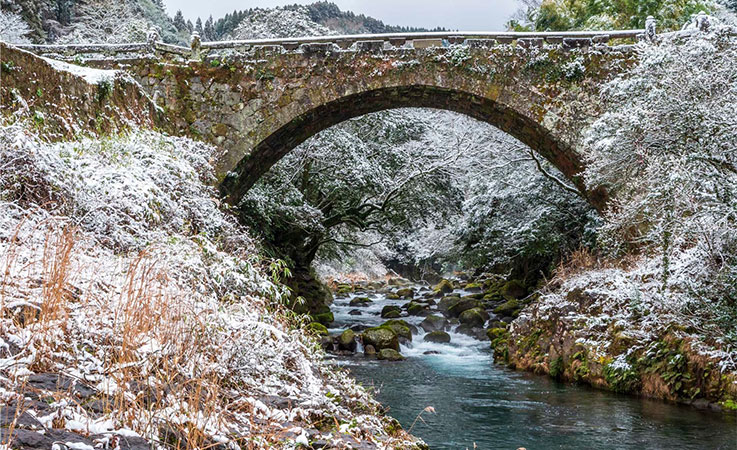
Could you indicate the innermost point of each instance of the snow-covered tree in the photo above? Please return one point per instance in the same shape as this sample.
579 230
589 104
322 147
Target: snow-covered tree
13 29
179 21
209 30
106 21
279 22
666 150
562 15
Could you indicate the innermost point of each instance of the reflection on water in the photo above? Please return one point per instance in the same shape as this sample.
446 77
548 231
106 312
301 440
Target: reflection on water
496 408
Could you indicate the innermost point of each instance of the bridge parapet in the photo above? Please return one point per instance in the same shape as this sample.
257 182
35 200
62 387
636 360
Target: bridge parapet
322 44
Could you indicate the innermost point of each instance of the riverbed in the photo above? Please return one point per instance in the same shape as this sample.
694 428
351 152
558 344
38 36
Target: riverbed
482 403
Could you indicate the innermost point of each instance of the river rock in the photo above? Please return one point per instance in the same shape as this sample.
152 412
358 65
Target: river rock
514 289
389 309
473 287
325 318
360 301
347 341
474 317
381 338
433 323
355 312
508 309
369 350
440 337
497 324
446 302
444 287
401 328
387 354
418 309
464 304
406 292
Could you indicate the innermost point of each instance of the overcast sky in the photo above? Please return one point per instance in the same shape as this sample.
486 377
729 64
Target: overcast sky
465 15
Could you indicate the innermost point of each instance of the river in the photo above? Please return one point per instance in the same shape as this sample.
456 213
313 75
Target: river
479 402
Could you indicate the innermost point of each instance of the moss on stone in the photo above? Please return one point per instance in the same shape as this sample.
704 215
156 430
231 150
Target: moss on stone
317 328
509 309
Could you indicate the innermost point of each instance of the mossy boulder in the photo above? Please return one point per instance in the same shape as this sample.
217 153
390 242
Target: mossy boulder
433 323
464 304
325 318
392 296
380 338
316 295
473 287
439 337
509 308
417 309
474 317
347 340
392 310
369 350
401 328
343 289
444 287
406 293
446 302
360 301
497 324
318 329
514 289
388 354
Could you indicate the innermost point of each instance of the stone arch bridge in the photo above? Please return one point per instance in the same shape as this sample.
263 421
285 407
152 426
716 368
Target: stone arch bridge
258 100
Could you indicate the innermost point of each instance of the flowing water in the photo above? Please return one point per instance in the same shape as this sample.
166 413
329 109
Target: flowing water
478 402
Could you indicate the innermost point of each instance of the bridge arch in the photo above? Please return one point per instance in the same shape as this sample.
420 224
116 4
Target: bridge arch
287 137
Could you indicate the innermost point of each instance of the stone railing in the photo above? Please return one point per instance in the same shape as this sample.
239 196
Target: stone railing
366 42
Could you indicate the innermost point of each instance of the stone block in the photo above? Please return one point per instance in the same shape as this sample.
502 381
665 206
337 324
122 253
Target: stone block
427 43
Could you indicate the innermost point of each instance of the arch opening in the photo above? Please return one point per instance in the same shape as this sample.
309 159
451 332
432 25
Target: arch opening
269 151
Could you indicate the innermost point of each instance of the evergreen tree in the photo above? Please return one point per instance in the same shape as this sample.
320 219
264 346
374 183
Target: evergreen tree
179 22
198 26
64 11
190 27
209 30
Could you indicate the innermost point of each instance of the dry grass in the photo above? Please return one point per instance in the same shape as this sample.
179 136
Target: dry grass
584 259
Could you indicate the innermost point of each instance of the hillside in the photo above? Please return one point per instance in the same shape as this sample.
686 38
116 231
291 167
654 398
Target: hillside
135 308
315 19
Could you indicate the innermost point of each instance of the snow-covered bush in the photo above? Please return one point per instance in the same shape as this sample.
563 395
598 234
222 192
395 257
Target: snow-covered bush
265 23
106 21
665 149
120 269
13 29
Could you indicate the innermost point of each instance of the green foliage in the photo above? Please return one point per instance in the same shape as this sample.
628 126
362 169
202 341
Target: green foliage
621 378
104 89
7 66
563 15
666 360
557 368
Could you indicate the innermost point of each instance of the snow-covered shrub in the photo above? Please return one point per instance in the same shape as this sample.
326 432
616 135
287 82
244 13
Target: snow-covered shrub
128 189
119 269
13 29
665 149
265 23
106 21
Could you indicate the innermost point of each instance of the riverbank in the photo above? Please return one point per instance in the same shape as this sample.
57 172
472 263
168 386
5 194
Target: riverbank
137 312
584 330
479 402
609 328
